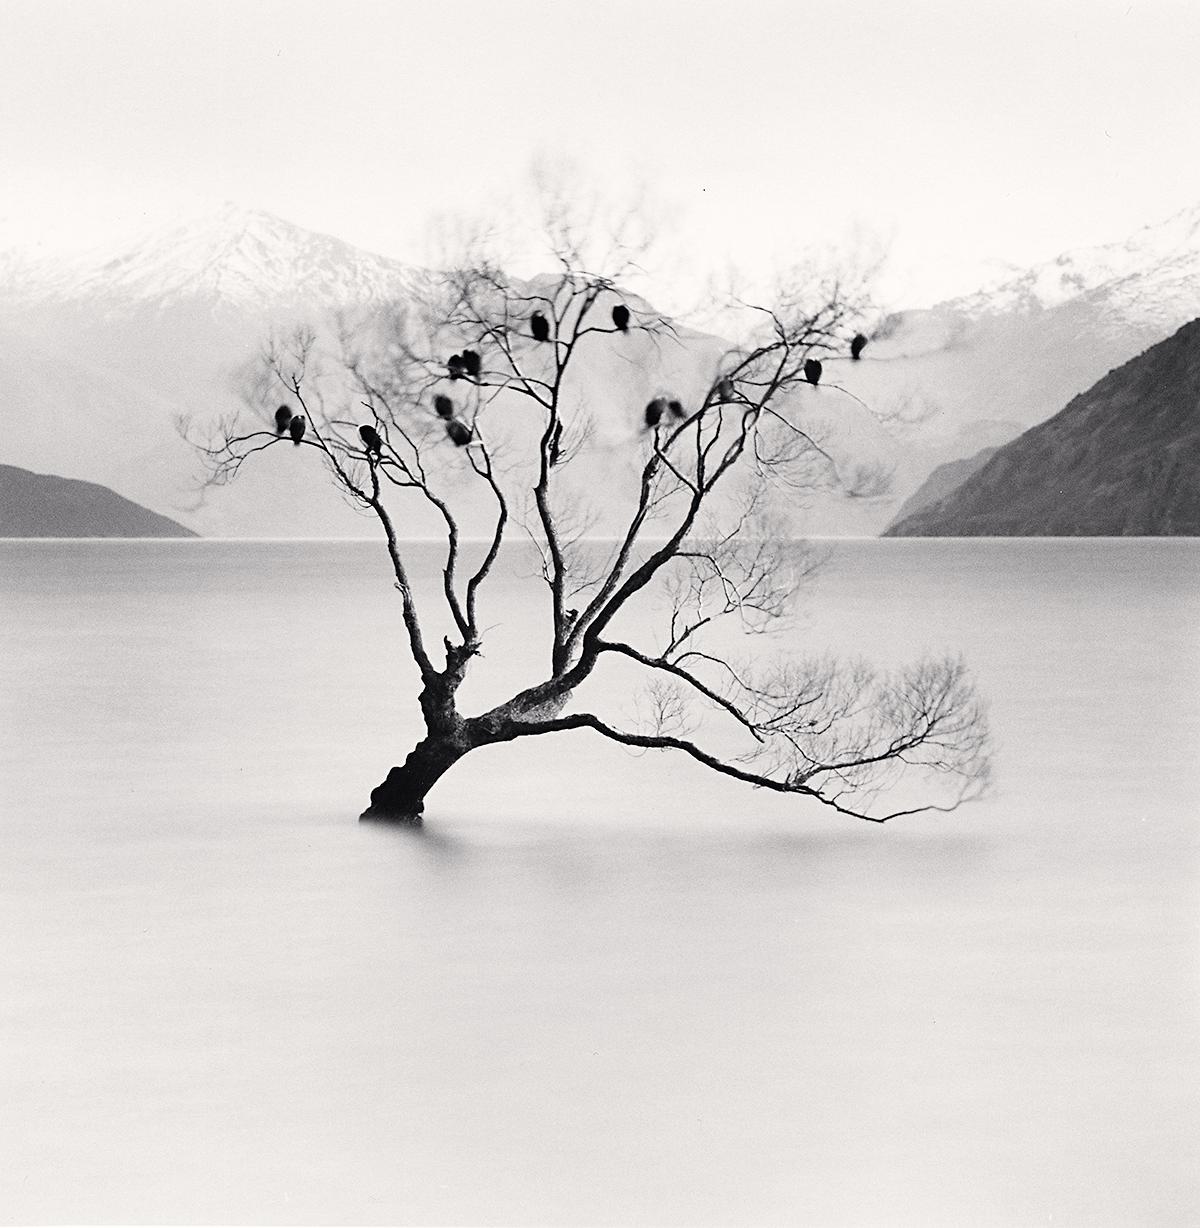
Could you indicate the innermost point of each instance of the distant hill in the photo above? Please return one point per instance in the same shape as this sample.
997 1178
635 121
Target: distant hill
1023 347
39 505
1121 460
101 354
944 479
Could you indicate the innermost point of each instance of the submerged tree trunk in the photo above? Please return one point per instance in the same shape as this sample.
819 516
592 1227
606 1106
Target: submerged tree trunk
401 797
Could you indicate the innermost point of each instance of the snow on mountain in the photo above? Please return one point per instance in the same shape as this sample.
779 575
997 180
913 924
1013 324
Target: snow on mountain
99 354
1019 350
1136 272
236 262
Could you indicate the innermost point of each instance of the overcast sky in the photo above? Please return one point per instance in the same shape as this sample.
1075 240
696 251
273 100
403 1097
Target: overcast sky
959 133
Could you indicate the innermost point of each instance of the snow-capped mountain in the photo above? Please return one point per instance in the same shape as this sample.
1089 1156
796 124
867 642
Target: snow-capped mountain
99 355
1150 272
1020 349
237 262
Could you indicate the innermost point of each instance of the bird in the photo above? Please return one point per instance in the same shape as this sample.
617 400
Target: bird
459 432
539 326
812 371
725 390
471 363
296 426
455 365
857 346
620 317
283 416
676 407
444 405
371 439
655 410
556 443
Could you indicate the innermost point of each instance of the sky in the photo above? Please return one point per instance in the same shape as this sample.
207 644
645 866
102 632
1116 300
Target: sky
958 136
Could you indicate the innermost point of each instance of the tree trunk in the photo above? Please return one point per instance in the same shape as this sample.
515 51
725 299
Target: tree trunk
401 797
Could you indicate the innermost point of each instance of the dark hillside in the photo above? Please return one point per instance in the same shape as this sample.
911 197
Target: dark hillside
1121 460
40 505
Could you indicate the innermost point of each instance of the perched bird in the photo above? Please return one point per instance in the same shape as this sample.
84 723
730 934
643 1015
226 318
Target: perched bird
676 407
539 326
471 363
725 390
655 410
455 365
459 432
857 346
812 371
620 315
283 416
371 439
444 405
556 443
296 427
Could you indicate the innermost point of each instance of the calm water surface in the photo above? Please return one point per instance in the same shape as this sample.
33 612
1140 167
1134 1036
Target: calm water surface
597 988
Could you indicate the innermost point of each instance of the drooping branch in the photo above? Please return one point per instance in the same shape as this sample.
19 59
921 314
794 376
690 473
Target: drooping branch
965 762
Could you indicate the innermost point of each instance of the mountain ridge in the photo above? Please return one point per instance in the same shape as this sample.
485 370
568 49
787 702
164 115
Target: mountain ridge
1122 459
46 505
159 329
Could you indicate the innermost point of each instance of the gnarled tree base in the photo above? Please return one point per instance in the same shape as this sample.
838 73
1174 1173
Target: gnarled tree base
401 797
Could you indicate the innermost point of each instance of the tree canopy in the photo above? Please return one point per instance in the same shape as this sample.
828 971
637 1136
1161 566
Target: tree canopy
563 410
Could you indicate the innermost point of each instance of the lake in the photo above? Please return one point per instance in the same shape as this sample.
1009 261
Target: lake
597 987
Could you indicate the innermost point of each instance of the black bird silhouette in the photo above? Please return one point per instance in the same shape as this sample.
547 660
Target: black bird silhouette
555 443
655 410
471 363
539 326
725 390
455 365
283 416
620 315
459 432
444 405
812 371
371 439
296 427
676 407
857 346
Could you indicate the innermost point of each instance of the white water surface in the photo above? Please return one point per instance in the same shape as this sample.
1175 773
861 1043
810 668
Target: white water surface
597 987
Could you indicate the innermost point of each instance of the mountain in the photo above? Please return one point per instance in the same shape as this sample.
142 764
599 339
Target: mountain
944 479
39 505
1122 459
1019 349
234 263
100 357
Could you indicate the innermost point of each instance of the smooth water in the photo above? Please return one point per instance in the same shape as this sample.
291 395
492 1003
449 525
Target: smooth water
597 987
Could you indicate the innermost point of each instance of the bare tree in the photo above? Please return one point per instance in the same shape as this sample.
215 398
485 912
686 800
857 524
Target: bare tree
479 399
